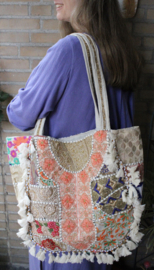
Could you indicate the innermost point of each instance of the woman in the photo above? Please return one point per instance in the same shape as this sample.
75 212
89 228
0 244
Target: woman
58 87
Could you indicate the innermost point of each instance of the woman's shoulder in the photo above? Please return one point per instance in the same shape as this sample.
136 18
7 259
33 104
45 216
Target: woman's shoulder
65 44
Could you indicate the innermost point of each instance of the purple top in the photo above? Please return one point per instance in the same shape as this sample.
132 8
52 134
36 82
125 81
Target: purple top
58 89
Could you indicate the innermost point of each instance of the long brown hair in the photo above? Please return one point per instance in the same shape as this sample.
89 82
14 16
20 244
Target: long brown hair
102 19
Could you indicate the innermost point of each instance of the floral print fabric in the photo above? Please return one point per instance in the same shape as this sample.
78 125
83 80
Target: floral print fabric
12 148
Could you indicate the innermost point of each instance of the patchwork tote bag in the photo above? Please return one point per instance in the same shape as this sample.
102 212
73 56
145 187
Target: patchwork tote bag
80 196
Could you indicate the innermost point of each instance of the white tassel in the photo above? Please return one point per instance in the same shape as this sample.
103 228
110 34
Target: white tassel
51 258
26 200
136 182
120 173
41 255
32 251
104 258
21 188
113 167
21 203
72 257
22 212
137 215
30 218
57 258
99 258
116 255
124 251
80 257
27 243
85 255
136 237
134 225
131 245
132 192
24 163
91 257
63 258
22 222
139 207
132 170
124 196
110 259
75 258
22 233
68 257
129 201
134 176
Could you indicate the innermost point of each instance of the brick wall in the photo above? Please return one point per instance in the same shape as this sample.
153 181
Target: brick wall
27 30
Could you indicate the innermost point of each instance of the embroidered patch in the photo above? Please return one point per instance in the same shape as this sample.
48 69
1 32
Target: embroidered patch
106 192
49 228
112 231
12 148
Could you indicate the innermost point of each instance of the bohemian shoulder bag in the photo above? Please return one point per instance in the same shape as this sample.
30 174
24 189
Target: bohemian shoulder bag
80 196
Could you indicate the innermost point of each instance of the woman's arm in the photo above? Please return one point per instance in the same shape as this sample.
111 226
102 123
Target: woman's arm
44 88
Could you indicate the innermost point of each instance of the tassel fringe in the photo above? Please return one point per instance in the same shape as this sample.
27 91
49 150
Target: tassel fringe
32 250
120 173
134 176
41 255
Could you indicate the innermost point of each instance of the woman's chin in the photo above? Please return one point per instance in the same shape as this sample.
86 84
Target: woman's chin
61 18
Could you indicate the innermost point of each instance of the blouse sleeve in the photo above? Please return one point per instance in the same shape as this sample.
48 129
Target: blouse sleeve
44 88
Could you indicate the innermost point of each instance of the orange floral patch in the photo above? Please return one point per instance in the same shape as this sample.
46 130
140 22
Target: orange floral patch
19 140
69 226
67 201
49 164
83 176
41 143
100 135
85 200
97 159
66 177
87 225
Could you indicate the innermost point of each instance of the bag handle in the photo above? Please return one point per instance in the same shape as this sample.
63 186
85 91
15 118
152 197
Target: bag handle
99 91
96 82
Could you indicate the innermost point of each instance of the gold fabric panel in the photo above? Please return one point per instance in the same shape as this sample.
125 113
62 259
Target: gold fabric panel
45 211
43 194
72 156
107 188
129 145
46 202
